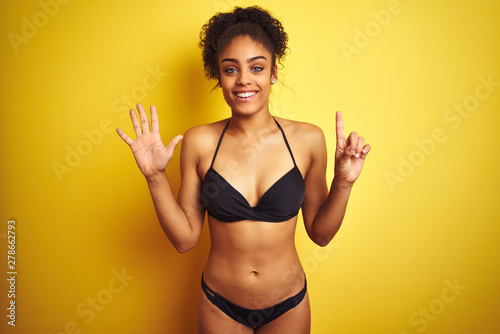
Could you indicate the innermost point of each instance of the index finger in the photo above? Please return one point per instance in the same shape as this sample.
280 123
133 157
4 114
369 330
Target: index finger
339 125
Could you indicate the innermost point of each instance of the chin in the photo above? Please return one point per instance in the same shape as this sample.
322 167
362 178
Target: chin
247 111
246 108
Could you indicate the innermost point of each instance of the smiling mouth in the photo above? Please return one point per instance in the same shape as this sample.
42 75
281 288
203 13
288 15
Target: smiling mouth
245 94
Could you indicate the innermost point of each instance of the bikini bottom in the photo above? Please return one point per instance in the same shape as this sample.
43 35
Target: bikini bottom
249 317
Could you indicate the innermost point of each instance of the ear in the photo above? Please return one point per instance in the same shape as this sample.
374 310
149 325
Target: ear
218 85
274 73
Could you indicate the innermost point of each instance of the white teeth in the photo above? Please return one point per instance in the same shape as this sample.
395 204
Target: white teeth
247 94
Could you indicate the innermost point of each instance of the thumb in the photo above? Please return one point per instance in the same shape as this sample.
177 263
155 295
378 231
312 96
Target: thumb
346 154
349 151
344 149
350 146
170 148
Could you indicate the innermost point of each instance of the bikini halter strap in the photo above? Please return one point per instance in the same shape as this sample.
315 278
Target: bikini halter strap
282 132
218 144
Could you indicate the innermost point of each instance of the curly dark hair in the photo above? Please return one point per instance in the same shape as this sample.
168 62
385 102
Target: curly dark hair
253 21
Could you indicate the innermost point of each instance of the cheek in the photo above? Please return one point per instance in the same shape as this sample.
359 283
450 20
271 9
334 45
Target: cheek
265 84
226 93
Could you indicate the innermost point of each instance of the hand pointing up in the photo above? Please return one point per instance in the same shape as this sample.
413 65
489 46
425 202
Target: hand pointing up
350 154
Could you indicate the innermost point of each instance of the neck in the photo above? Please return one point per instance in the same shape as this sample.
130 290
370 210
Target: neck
252 124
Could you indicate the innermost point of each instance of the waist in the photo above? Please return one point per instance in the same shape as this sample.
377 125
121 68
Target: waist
255 281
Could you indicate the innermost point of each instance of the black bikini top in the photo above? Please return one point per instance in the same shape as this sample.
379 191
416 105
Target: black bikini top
280 202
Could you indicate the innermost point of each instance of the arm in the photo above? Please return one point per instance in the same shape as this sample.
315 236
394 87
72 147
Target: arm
181 223
324 211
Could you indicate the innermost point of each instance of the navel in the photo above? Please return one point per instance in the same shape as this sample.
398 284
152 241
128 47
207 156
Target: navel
254 273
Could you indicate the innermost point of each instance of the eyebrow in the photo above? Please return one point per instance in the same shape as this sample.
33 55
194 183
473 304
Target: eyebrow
249 60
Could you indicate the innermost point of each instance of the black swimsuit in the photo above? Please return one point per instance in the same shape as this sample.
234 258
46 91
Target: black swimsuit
279 203
249 317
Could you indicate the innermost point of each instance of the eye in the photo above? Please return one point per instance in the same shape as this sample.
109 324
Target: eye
257 69
230 70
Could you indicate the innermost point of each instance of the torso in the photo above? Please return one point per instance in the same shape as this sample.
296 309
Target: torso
254 263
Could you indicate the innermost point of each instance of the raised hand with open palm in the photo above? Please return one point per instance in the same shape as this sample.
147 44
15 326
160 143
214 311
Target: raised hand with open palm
151 156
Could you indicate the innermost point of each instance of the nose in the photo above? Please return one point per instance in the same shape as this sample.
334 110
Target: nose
244 78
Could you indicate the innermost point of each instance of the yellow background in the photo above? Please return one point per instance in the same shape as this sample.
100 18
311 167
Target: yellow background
408 233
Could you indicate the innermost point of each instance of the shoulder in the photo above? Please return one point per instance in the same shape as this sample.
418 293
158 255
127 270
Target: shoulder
308 143
306 133
204 131
202 138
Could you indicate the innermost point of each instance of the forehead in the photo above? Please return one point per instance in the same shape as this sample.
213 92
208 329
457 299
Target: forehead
244 47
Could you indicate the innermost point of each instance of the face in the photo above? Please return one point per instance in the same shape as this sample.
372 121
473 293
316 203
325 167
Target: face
246 73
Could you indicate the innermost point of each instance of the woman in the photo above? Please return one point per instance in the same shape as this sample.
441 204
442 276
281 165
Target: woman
251 173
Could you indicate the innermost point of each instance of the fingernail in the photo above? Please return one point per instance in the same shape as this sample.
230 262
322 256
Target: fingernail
357 155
